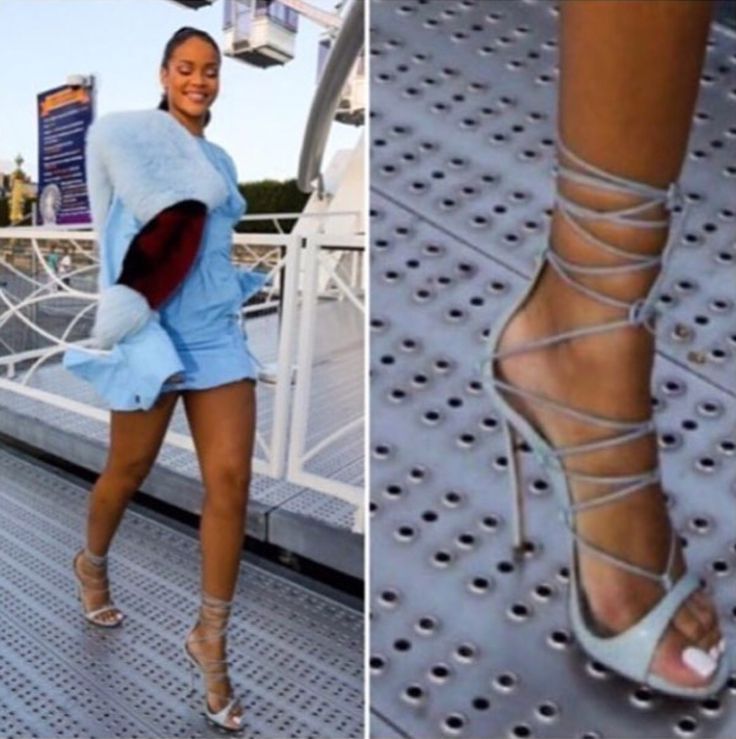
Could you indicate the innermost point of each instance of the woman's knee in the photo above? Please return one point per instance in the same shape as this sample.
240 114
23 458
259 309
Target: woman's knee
229 480
129 474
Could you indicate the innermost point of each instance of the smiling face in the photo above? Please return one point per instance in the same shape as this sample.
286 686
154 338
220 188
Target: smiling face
191 82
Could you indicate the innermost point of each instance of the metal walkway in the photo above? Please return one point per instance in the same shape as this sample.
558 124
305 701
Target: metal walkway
466 643
303 521
296 654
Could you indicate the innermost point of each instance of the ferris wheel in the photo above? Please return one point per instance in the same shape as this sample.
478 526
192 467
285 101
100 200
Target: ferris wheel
262 33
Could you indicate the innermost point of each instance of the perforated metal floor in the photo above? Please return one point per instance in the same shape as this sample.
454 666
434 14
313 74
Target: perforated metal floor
464 642
295 653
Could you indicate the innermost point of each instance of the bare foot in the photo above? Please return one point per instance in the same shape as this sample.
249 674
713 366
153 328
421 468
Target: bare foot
95 589
609 374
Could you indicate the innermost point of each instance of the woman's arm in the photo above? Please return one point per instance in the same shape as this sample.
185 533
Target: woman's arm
162 253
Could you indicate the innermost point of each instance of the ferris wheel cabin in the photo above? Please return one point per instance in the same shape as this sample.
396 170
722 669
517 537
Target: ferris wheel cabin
259 32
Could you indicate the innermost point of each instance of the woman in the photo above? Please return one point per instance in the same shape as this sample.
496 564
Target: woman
164 200
571 361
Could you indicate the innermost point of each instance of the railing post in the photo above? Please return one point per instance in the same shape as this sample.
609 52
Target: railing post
305 356
287 335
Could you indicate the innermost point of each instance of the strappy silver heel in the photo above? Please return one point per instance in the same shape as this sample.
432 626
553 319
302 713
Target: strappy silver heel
90 582
213 617
629 653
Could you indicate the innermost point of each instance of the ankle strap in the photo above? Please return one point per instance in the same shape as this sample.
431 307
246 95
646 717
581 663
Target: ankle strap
640 311
95 559
596 177
214 612
213 601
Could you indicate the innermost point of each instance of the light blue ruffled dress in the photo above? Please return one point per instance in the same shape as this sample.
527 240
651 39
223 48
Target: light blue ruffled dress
195 340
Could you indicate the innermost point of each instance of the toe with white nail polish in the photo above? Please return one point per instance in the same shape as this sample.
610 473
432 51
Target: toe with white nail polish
699 661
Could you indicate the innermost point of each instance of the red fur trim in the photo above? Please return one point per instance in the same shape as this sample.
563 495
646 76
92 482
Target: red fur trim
163 251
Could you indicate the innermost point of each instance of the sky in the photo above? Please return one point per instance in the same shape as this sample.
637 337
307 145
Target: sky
258 117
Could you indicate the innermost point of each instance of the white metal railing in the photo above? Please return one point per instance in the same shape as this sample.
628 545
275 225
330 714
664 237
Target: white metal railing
291 259
315 260
53 288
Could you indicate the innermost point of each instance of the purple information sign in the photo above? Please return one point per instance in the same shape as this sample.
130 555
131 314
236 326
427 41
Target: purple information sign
64 115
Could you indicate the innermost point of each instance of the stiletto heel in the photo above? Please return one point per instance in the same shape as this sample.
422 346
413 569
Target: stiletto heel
630 652
519 539
190 666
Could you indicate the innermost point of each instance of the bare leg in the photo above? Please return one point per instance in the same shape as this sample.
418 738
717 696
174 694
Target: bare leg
629 79
135 440
222 420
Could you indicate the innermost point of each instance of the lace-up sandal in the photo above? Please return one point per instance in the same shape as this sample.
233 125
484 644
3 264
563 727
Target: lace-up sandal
213 620
629 653
96 583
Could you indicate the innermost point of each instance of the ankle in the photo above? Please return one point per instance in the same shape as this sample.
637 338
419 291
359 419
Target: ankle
627 351
210 626
554 307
